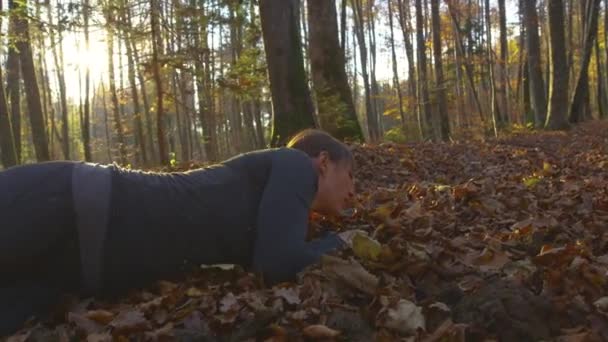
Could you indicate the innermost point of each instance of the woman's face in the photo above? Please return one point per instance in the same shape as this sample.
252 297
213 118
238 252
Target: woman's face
336 185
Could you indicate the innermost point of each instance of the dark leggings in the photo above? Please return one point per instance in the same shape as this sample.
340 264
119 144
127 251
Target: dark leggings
39 256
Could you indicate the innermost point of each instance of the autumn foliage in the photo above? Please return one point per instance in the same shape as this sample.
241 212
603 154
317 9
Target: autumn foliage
503 239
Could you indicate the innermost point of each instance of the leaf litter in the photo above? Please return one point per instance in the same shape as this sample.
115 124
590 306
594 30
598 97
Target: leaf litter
497 240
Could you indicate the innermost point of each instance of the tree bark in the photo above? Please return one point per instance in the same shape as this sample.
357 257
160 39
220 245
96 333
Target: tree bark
31 85
59 71
504 63
333 95
577 113
444 121
138 113
13 81
558 92
494 100
291 101
537 87
7 145
86 125
467 68
396 83
160 111
122 148
424 106
406 29
370 110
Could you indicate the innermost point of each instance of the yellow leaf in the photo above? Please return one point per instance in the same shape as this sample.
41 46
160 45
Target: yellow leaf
366 248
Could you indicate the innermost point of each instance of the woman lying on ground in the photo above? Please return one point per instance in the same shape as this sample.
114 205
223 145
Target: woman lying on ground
101 229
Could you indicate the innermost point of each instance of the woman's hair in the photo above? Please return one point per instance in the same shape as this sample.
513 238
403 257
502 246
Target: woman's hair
314 141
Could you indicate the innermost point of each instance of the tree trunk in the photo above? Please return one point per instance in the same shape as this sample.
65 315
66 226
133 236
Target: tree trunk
86 125
292 105
537 86
467 67
439 80
404 21
577 112
59 71
375 95
600 93
370 112
558 92
31 85
106 122
396 83
334 99
504 63
149 136
494 100
122 148
424 107
137 115
160 111
7 145
12 83
605 80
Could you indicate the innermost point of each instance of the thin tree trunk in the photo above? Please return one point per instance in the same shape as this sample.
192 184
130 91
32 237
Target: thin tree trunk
600 94
404 21
160 112
425 114
467 67
7 143
375 97
372 122
396 82
59 69
537 86
577 113
31 86
106 122
444 121
149 135
343 28
504 63
122 148
86 126
558 95
137 115
494 100
13 81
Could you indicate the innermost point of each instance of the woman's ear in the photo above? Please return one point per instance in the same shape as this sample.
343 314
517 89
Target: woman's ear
323 162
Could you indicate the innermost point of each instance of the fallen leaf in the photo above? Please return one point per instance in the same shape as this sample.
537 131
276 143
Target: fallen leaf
84 324
319 331
350 272
99 337
130 321
100 316
366 248
289 294
406 318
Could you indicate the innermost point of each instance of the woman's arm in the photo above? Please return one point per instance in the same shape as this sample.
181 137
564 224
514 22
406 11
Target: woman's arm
280 249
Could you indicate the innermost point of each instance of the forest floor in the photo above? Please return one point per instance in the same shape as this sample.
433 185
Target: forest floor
505 239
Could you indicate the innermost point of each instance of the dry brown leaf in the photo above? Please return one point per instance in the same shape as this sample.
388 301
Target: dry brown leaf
130 321
319 331
351 273
100 316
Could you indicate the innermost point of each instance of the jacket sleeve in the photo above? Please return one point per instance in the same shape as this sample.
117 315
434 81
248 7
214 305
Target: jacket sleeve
280 249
